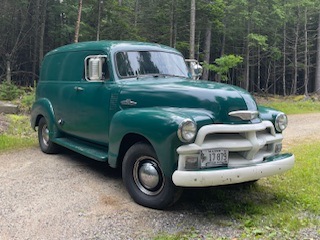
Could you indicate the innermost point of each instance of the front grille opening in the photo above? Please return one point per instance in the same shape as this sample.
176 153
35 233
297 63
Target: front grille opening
221 136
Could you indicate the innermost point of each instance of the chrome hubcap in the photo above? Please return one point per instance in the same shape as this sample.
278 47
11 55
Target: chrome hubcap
148 175
45 134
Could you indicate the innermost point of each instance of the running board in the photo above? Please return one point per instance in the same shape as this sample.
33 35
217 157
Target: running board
90 150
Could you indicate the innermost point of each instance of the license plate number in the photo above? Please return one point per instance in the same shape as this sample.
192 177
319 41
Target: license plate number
214 158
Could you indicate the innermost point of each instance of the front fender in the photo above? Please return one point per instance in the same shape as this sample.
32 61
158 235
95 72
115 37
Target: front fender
267 113
43 108
158 125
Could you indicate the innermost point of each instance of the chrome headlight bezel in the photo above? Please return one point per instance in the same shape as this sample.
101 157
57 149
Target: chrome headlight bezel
187 130
281 122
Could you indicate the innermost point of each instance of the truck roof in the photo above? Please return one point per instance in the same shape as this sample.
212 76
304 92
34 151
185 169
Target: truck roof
113 46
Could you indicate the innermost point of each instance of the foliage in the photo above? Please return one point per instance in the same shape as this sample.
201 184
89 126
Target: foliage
27 100
274 38
223 65
9 91
18 135
258 40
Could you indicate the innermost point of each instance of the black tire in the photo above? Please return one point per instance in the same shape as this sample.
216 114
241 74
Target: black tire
46 145
144 179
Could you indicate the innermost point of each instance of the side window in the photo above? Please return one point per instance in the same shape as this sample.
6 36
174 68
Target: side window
96 68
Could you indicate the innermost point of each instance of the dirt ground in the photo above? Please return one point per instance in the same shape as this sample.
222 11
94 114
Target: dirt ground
67 196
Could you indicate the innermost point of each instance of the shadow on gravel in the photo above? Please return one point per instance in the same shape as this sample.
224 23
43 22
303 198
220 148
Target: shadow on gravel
233 201
237 199
101 168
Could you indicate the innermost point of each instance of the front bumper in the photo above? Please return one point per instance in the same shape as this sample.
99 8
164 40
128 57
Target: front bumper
225 176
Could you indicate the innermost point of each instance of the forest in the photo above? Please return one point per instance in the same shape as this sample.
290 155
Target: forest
263 46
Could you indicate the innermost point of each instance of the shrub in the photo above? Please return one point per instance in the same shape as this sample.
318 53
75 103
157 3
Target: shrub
9 91
27 101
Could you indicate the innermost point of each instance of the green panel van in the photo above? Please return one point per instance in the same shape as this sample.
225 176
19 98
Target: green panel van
137 106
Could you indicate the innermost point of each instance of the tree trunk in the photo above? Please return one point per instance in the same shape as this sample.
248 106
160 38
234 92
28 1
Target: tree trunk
317 80
207 46
192 28
172 24
259 69
136 12
8 68
284 59
36 37
42 30
77 28
295 56
247 59
223 41
99 19
306 79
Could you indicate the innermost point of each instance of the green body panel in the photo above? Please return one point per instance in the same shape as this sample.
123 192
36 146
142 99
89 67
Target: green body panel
43 108
158 126
98 115
215 98
267 113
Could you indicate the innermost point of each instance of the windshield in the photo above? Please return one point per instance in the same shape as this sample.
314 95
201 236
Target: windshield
135 64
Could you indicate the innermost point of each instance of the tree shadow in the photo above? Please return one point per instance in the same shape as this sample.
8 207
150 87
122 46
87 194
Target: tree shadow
100 168
232 200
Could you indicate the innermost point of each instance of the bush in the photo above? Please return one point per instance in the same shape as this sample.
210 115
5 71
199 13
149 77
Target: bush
27 100
9 91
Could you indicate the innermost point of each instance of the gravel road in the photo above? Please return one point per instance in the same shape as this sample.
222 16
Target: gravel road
67 196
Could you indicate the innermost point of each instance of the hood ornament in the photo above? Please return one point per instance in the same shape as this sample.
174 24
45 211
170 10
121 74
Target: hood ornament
244 114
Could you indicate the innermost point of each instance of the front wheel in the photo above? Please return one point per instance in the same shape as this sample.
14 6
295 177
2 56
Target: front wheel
145 180
46 145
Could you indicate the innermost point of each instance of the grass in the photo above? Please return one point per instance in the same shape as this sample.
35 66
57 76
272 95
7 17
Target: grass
277 207
284 204
18 135
292 105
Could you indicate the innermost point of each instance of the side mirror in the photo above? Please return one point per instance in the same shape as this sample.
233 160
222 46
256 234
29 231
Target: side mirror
195 68
95 67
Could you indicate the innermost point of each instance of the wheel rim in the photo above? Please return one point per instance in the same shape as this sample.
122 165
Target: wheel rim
45 134
148 175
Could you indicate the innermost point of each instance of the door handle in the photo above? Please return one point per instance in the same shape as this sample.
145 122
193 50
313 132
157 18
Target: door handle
78 88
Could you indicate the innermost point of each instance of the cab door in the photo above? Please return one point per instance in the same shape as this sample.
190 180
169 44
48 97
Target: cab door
85 110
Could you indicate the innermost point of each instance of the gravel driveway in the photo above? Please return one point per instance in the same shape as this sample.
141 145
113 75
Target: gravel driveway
68 196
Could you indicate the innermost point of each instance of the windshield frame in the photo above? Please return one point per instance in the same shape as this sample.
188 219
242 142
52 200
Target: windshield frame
183 74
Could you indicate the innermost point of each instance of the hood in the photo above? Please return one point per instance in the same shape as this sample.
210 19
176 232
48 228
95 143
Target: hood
215 99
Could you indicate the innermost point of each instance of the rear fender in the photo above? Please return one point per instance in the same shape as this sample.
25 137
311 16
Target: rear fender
43 108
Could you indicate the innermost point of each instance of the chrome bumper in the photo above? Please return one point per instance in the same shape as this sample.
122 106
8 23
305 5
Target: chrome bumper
225 176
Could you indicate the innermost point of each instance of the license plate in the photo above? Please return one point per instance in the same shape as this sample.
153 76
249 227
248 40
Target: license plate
214 158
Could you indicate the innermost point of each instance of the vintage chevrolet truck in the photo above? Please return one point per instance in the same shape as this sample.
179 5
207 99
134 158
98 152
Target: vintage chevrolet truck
135 106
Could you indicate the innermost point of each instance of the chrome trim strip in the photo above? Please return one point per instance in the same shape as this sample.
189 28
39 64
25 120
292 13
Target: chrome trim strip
244 114
128 102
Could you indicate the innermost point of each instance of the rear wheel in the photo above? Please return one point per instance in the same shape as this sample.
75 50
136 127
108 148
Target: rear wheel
46 145
145 180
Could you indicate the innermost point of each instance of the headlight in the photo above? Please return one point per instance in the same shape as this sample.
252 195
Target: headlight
281 122
187 130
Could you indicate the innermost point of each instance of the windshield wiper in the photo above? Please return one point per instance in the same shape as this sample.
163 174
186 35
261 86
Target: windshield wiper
157 75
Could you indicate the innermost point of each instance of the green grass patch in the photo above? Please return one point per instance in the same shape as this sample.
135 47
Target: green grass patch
284 204
277 207
291 105
18 135
8 142
300 107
